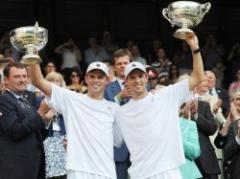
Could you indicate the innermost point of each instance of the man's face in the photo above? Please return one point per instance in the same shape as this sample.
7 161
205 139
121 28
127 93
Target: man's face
96 81
136 81
17 80
120 64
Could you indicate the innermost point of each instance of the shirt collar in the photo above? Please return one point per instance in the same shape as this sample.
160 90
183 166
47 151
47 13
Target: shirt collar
120 82
14 94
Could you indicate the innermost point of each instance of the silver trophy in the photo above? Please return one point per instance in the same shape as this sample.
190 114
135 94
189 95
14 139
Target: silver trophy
185 14
29 40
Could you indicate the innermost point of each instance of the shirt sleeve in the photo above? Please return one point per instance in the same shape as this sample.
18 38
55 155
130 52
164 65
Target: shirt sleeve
180 92
117 134
59 98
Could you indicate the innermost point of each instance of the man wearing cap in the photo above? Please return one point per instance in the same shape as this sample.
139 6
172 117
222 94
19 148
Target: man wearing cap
150 124
89 120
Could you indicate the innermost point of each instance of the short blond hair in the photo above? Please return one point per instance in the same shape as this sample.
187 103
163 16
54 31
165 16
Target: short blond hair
55 75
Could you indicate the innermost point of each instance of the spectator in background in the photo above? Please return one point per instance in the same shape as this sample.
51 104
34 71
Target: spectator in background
233 60
77 81
219 73
129 44
136 55
50 67
108 44
152 78
112 76
94 52
162 62
21 128
212 52
4 42
232 146
183 59
173 73
235 85
219 93
156 44
207 162
163 78
71 56
191 146
3 62
221 139
55 154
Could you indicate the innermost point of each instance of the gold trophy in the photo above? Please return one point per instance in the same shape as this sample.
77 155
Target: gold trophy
29 40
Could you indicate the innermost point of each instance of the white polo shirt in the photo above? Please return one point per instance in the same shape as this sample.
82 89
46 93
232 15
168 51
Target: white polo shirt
150 128
89 126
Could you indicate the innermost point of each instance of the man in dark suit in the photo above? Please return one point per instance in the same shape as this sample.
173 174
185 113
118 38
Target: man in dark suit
232 146
118 92
222 94
207 162
21 151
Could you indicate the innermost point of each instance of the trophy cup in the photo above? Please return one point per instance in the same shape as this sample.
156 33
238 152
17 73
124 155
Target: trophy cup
29 40
185 14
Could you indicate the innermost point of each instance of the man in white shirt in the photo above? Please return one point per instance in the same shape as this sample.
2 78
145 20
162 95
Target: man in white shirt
89 121
150 124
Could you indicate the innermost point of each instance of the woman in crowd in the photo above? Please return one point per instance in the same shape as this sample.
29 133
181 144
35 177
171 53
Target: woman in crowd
76 82
54 145
191 146
173 73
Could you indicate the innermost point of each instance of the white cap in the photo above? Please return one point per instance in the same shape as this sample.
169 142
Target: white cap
132 66
98 66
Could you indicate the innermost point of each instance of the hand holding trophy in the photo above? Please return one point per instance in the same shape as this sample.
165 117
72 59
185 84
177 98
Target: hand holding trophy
30 40
185 14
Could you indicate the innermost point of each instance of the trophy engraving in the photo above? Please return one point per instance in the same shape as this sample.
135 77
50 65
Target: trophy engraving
185 14
29 40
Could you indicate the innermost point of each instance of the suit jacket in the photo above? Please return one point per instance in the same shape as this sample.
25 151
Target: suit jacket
21 151
207 162
223 95
232 151
112 89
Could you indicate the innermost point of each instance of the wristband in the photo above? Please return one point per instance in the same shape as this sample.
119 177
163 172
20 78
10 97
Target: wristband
196 51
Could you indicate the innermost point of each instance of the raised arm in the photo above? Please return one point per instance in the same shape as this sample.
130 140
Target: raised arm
39 81
198 70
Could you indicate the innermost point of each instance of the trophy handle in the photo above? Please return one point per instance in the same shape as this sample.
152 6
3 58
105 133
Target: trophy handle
165 14
205 8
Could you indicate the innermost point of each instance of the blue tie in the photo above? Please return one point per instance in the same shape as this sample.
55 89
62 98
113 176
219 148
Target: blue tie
24 104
